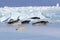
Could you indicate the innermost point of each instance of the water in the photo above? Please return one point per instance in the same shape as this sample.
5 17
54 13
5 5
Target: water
42 32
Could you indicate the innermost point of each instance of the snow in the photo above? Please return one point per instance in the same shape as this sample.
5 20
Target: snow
31 32
42 32
28 12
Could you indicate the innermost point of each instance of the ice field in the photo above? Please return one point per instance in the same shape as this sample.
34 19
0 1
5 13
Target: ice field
29 31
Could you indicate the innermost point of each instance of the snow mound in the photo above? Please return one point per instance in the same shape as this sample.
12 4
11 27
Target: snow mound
28 12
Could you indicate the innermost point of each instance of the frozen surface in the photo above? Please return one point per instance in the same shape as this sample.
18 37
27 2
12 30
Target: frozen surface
42 32
28 12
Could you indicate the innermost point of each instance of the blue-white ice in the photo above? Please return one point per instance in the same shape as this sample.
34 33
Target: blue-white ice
43 32
28 12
